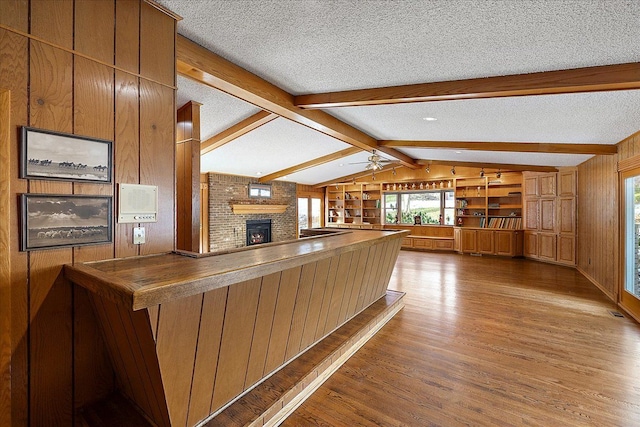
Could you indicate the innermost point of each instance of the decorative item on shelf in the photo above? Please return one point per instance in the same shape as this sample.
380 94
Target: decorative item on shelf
464 192
441 184
422 186
406 186
479 191
449 184
394 186
433 185
413 186
459 221
417 220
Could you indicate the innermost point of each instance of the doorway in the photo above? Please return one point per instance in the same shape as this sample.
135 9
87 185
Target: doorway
630 289
309 213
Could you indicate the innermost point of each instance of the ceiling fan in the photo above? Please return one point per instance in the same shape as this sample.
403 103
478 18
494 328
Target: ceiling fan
374 163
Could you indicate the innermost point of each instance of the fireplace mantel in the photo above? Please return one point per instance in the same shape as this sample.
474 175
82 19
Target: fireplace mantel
258 209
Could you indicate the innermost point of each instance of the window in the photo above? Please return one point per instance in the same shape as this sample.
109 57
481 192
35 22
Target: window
309 212
430 206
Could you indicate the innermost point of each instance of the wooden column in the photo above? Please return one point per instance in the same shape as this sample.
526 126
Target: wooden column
188 177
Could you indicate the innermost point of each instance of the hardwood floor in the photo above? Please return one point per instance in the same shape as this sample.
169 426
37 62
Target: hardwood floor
486 341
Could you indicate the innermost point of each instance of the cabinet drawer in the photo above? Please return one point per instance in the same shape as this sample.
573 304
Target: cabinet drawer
422 243
444 245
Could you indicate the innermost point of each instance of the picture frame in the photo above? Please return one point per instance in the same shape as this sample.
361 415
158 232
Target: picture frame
61 220
50 155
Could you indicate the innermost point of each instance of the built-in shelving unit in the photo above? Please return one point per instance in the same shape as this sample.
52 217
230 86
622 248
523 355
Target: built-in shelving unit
357 204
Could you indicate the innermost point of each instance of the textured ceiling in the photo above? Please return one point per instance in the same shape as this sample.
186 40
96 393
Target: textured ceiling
306 46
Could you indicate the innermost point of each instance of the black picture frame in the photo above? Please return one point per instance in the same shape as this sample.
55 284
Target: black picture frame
51 221
50 155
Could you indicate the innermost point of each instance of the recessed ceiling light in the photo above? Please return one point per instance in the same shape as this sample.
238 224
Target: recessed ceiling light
341 164
285 177
458 152
429 119
259 173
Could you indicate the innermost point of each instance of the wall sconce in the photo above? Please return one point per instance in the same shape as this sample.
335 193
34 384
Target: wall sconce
453 170
428 168
498 174
482 173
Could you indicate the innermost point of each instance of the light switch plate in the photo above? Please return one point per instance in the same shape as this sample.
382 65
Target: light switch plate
138 235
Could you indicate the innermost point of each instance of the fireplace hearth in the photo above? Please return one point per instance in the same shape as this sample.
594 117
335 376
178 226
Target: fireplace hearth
258 231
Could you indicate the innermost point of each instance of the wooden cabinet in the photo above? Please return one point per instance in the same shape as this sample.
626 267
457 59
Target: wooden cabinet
550 216
488 241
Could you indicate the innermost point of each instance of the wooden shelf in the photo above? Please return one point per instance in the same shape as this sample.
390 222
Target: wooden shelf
258 209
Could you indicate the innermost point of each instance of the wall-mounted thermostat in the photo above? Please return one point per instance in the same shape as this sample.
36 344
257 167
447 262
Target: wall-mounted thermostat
137 203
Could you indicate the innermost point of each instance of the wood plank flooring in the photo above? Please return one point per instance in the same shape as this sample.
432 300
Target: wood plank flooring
486 341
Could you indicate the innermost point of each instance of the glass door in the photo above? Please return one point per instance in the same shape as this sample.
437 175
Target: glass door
309 213
630 293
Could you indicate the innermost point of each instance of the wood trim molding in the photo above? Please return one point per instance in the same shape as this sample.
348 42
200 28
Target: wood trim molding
311 163
204 66
504 167
519 147
6 349
588 79
628 164
258 209
236 131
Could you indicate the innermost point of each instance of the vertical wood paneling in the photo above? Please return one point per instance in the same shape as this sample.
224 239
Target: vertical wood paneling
154 314
370 279
181 211
157 46
338 291
326 299
178 328
157 157
5 261
262 331
287 294
300 310
14 70
315 302
209 337
351 282
15 14
240 316
53 21
126 149
357 284
127 47
93 34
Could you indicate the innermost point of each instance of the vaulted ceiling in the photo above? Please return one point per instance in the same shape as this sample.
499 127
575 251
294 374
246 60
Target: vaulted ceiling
304 90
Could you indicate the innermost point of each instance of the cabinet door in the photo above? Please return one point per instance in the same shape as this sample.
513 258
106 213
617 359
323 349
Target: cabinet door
484 241
407 242
567 185
547 221
531 214
457 243
547 184
547 246
567 215
504 242
530 244
567 249
468 241
530 185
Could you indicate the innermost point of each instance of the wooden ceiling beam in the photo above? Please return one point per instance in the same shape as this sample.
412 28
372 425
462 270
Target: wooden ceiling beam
504 167
589 79
202 65
518 147
311 163
236 131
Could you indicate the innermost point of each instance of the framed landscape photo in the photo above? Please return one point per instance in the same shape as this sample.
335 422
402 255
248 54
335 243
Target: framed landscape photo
54 221
46 154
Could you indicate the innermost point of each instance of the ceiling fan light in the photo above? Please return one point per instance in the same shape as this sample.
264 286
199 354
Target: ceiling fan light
453 170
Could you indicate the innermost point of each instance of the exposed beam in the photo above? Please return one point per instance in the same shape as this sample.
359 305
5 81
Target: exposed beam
504 167
236 131
589 79
311 163
356 175
204 66
519 147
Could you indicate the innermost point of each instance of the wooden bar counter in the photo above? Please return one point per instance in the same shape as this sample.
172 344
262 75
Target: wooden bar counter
187 335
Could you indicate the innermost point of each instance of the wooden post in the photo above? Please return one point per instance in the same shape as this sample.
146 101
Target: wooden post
188 177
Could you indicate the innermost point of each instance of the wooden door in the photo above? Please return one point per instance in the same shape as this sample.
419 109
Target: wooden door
531 214
567 215
484 241
547 184
530 185
567 183
457 244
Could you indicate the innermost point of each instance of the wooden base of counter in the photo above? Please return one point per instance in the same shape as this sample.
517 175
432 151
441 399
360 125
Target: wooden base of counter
279 395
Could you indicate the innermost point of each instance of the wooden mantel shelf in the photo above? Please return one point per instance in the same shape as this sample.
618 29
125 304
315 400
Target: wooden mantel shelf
258 209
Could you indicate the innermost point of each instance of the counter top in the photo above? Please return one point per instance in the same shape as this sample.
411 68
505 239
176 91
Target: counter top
141 282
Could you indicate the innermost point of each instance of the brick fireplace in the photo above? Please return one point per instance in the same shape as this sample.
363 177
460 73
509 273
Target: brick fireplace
228 230
258 231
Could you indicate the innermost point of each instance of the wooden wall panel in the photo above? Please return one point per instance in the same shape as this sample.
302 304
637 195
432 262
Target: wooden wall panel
208 348
597 241
178 328
157 46
14 71
93 31
315 302
127 35
262 331
157 162
15 14
357 282
126 152
326 299
300 310
53 21
287 293
240 317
